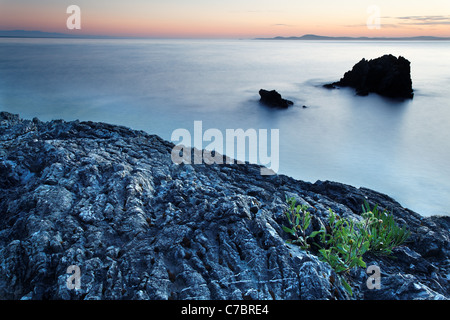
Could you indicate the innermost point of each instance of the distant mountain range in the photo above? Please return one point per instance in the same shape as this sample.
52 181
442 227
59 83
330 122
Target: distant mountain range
41 34
316 37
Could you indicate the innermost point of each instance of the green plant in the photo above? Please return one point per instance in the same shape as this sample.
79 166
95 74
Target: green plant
382 231
343 246
299 219
343 242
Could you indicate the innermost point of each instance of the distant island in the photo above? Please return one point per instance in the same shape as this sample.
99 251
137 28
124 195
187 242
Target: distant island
316 37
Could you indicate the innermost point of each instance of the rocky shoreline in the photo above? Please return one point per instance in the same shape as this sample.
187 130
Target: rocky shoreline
109 200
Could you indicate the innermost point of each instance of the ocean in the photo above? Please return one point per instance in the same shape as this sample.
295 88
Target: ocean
400 148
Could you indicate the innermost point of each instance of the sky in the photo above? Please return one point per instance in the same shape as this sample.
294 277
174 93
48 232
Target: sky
232 18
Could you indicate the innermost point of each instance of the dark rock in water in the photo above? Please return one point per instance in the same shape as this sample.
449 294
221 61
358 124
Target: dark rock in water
329 86
388 76
111 201
274 99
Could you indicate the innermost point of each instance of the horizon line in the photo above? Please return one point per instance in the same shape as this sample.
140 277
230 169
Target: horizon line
45 34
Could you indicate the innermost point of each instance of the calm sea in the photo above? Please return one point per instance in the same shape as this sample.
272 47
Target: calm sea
398 148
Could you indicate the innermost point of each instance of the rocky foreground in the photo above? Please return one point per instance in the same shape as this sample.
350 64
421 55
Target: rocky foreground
109 200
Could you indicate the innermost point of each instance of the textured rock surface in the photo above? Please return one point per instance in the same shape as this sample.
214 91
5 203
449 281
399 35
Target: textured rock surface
387 75
109 200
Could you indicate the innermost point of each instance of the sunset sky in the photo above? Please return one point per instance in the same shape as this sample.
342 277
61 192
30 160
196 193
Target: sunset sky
231 18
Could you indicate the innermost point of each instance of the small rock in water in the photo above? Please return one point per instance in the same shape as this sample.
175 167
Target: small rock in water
274 99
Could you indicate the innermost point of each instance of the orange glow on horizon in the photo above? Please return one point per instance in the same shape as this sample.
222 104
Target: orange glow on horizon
139 28
243 19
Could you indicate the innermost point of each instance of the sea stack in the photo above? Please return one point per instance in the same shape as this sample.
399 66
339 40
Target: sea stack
388 76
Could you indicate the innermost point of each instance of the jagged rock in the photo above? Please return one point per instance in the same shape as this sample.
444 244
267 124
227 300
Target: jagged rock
109 200
274 99
387 75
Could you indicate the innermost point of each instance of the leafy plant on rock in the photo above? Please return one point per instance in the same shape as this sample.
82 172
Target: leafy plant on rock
343 242
342 246
382 231
299 219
